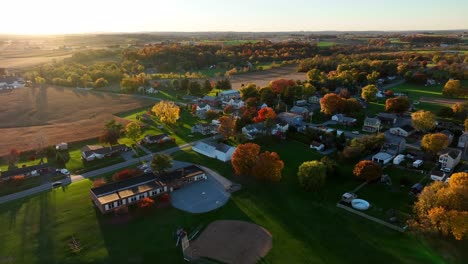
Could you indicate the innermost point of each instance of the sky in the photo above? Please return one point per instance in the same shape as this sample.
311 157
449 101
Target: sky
86 16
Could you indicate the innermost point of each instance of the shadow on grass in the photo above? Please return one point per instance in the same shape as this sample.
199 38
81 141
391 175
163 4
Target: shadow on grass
149 237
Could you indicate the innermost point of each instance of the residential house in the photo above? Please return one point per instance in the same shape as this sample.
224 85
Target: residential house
211 100
218 151
448 125
301 102
111 196
280 129
344 120
291 118
314 99
382 158
254 130
437 175
30 171
205 129
226 95
157 139
372 125
386 118
403 131
448 134
393 145
463 140
92 152
449 158
235 103
201 110
317 145
299 110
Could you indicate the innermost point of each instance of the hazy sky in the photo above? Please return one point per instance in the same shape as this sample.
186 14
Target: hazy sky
77 16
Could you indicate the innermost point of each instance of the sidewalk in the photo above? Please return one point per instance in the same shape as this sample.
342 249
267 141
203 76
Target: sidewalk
75 178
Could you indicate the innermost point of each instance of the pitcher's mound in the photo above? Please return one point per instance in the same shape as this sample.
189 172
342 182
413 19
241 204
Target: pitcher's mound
232 242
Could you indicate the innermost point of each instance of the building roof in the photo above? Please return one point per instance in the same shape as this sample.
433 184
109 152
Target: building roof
123 185
229 92
447 133
155 137
371 121
90 149
299 109
383 156
209 98
22 171
453 153
222 147
288 115
386 116
407 128
258 126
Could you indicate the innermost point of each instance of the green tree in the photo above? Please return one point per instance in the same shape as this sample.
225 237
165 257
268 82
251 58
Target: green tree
160 163
207 87
249 91
372 77
369 92
312 175
86 80
133 131
101 82
397 105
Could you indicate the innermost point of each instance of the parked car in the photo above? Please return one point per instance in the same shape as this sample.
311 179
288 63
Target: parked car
355 132
63 171
447 170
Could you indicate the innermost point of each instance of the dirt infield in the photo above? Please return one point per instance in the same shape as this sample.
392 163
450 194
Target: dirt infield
441 101
56 115
262 78
232 242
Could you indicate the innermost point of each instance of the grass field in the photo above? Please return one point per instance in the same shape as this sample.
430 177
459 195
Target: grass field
323 44
306 227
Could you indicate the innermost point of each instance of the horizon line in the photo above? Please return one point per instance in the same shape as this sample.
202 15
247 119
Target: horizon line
213 31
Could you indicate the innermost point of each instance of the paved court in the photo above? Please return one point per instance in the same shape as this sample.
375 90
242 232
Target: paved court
200 197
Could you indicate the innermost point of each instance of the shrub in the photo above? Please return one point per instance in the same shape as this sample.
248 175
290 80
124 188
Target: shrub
146 203
312 175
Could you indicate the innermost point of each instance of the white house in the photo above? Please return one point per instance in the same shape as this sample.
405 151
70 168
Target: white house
403 131
344 120
462 140
382 158
203 107
92 152
226 95
371 125
450 158
317 146
218 151
236 103
280 128
251 131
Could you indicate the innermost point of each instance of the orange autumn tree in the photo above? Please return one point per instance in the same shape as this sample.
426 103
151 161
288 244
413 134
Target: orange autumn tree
244 158
146 203
247 160
268 167
264 114
279 85
227 126
367 170
331 104
442 208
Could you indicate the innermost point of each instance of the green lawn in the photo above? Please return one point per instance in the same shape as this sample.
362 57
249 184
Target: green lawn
306 227
23 161
323 44
415 91
28 183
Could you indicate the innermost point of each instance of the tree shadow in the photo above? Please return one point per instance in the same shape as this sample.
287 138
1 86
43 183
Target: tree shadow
149 237
44 237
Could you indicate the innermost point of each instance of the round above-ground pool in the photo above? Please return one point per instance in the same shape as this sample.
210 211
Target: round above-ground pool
360 204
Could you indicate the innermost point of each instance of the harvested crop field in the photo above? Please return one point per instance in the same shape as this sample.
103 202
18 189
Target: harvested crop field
54 115
441 101
232 242
262 78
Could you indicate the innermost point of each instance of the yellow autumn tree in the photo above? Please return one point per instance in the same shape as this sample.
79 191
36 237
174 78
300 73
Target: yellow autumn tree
423 120
167 112
442 208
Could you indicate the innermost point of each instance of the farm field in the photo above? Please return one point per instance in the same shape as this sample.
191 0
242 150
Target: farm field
24 59
308 226
53 115
262 78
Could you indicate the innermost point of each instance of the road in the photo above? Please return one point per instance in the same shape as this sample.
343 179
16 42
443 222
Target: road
75 178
